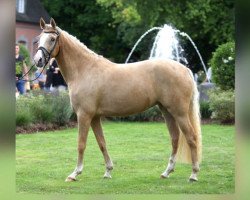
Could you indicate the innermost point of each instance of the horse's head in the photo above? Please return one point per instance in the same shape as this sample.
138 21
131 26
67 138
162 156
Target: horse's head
48 46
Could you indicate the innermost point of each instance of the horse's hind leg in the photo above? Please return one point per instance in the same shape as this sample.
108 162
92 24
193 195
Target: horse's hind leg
191 138
174 133
97 129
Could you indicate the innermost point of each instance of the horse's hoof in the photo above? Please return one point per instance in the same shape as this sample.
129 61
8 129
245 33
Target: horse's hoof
70 179
167 173
107 176
163 176
192 179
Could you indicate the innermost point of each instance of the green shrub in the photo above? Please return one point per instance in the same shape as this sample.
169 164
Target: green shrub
223 66
23 118
25 53
205 110
61 107
41 109
23 114
222 105
73 117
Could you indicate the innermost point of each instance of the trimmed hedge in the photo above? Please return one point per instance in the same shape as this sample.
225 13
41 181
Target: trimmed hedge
222 105
24 116
39 107
205 110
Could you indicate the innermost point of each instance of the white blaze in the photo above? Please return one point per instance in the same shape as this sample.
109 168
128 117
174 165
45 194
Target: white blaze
42 41
38 56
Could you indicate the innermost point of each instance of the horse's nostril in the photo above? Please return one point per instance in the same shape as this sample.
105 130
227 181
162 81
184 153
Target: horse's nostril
39 62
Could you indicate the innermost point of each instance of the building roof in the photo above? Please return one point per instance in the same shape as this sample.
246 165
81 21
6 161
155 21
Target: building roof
34 10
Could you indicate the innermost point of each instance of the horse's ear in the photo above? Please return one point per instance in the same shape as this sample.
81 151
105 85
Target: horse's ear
42 23
52 23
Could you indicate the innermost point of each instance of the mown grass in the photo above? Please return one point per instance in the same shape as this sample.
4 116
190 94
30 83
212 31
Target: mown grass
139 152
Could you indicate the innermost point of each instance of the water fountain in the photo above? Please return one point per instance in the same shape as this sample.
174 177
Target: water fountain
166 45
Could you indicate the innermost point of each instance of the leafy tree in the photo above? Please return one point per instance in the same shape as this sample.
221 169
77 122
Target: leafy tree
90 23
111 27
209 23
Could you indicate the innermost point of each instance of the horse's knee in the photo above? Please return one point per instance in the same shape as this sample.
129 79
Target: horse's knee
102 149
81 149
175 141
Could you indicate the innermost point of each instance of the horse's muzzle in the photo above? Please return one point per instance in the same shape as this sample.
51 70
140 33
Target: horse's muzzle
39 63
38 59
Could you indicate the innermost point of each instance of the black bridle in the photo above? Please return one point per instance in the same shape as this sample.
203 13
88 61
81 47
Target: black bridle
46 55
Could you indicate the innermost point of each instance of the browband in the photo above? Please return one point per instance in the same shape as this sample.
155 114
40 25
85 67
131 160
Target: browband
56 32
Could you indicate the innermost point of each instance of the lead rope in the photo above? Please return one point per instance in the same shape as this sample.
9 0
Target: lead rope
30 70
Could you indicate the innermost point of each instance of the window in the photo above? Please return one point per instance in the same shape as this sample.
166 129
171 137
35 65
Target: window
20 6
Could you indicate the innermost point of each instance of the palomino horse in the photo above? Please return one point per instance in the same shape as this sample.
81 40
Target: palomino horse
99 87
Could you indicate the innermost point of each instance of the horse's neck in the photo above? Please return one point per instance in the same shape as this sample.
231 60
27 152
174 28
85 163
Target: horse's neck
73 57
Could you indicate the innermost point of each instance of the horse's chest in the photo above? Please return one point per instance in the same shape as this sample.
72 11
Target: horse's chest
83 100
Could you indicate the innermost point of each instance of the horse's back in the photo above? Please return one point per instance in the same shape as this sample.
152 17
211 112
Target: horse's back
163 66
162 72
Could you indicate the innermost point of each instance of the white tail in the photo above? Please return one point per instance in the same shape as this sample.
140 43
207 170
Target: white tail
184 153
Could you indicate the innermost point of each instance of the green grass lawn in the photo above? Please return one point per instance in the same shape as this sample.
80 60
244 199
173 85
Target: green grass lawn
139 151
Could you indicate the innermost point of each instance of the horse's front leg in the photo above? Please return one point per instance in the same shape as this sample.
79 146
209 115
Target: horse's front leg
83 128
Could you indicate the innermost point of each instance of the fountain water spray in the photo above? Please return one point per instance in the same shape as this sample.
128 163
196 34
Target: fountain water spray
139 40
166 45
197 51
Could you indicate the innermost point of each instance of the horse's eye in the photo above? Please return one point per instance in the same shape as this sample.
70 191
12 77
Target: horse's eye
52 39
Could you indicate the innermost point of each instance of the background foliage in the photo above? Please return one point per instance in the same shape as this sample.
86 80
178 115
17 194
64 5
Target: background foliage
48 108
25 53
223 66
111 27
222 105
